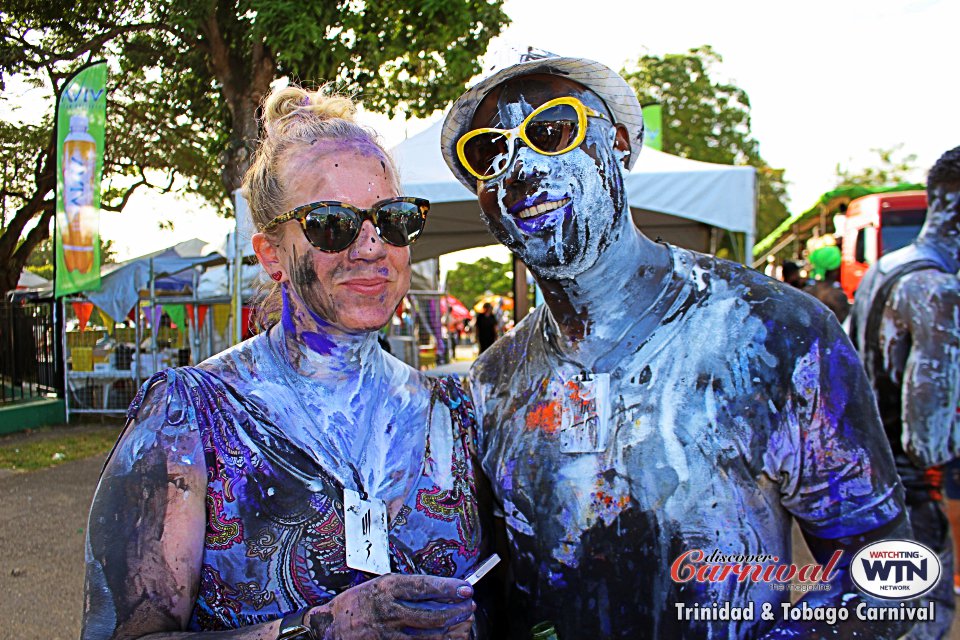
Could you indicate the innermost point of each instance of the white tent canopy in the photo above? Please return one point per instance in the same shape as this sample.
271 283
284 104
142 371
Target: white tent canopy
677 199
120 284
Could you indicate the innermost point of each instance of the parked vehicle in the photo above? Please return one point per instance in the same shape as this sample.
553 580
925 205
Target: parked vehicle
875 225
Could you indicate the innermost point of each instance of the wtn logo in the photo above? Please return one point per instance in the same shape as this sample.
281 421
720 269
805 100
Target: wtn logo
903 570
895 569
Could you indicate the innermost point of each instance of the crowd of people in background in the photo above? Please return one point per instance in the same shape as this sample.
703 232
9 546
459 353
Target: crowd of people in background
480 329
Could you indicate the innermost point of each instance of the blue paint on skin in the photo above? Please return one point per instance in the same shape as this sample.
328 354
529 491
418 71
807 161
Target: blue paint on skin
322 343
286 314
319 342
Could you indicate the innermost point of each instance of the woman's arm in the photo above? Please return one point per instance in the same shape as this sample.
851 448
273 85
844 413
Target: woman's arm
146 529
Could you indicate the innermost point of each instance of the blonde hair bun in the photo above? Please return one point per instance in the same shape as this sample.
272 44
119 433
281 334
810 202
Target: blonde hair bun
290 104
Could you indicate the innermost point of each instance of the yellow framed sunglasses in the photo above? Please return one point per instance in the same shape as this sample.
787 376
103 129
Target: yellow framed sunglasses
552 129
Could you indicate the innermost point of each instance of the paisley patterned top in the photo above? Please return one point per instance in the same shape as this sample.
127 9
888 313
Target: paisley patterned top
275 528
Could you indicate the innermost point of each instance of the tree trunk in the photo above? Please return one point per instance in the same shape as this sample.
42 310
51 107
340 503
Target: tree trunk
9 276
11 267
245 77
238 155
13 251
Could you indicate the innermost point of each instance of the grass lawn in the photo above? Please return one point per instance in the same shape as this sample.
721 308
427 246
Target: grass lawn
49 446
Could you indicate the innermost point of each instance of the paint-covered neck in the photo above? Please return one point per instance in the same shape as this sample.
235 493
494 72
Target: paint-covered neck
594 310
941 229
315 347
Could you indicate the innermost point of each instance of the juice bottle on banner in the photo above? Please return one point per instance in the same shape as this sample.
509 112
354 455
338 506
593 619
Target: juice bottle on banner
79 166
544 631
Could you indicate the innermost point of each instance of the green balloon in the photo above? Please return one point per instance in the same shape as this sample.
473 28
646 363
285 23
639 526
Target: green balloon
824 259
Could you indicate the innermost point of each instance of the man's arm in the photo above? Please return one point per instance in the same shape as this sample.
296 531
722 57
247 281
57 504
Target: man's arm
837 478
843 594
929 302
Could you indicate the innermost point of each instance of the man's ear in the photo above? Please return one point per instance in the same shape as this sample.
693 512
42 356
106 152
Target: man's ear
267 255
621 143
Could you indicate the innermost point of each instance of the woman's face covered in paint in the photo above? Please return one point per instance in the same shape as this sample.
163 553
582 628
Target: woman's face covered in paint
557 213
357 289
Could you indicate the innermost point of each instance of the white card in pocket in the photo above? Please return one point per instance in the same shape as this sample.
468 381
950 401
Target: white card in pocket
586 414
365 521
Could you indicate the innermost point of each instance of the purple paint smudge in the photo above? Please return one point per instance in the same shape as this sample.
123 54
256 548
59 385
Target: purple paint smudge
286 314
551 218
319 342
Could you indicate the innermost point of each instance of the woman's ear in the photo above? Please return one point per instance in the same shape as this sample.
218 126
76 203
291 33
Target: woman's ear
267 255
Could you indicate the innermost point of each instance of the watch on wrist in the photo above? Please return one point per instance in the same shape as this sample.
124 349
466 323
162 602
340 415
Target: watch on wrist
292 627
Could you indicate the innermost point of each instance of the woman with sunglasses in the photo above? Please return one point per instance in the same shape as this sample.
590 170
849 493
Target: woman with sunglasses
303 484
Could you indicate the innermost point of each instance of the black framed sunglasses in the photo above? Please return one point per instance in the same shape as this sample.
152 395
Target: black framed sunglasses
332 226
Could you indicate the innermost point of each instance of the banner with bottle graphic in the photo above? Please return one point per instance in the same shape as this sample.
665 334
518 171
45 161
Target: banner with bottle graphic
81 120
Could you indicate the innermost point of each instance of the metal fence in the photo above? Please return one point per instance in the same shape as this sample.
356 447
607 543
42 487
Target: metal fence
29 351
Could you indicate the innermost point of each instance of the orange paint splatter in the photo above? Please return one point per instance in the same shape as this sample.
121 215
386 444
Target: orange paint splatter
604 499
573 393
545 416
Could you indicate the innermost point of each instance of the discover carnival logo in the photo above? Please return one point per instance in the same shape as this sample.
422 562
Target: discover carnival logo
719 567
895 569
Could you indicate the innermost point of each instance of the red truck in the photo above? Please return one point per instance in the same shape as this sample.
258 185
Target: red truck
875 225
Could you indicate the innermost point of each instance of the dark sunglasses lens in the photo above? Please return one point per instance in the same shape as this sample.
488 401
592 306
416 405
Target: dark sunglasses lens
331 228
553 130
487 153
400 222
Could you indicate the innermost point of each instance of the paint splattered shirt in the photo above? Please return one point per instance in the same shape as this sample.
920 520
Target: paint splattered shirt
746 405
274 538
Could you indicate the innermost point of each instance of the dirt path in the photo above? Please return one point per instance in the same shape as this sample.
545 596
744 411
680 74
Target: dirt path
43 518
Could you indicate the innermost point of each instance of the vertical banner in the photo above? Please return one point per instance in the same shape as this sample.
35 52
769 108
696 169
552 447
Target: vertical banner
653 126
81 120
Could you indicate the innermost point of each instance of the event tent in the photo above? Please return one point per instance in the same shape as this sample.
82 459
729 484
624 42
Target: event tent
171 268
674 198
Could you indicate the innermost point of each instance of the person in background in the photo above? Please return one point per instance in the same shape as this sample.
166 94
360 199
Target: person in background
662 401
826 285
790 273
906 326
486 326
304 484
452 326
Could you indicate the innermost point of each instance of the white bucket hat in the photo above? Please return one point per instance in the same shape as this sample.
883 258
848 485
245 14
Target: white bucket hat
619 97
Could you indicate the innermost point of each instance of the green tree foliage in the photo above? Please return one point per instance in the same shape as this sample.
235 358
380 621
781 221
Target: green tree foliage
470 282
188 77
893 167
708 121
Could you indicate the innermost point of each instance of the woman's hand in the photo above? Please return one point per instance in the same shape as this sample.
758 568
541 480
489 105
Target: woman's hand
396 607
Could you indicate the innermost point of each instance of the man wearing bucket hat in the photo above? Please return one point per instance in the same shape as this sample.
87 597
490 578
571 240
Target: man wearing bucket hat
663 403
906 327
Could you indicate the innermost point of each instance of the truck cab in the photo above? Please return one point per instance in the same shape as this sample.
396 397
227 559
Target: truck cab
875 225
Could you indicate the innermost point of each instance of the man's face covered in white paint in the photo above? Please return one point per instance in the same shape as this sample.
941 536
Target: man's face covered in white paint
557 213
